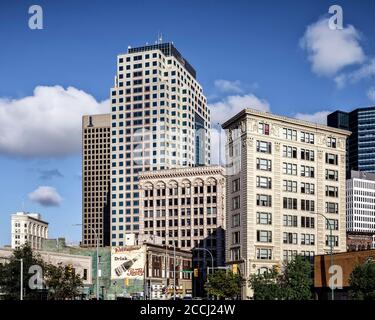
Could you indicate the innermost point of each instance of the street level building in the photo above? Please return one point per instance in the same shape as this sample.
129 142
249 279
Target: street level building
356 241
345 262
80 264
283 175
29 228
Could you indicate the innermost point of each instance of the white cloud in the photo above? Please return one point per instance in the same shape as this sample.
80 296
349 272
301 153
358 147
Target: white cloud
329 50
366 71
228 86
317 117
371 94
231 105
46 196
48 123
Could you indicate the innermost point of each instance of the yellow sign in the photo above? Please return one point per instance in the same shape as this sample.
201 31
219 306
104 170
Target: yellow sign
195 272
235 268
127 282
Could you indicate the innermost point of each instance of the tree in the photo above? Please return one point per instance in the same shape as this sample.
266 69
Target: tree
296 279
10 275
293 283
224 284
62 282
266 285
362 281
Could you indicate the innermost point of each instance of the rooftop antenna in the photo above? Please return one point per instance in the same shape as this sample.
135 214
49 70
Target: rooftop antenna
160 38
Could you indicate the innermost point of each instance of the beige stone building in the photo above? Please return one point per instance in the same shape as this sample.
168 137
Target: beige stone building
95 179
283 174
186 208
81 264
28 228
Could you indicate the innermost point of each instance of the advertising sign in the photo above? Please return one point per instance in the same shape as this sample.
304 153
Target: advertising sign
128 262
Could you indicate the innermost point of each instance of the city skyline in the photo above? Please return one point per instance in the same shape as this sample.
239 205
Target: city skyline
69 67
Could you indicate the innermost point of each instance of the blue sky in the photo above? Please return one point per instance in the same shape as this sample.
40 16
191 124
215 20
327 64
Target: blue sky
278 55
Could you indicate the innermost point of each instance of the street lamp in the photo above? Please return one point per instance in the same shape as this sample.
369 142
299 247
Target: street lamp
245 275
174 270
212 259
97 258
331 250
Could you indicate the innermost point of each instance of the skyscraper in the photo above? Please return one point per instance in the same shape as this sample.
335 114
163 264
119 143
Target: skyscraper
284 176
95 180
361 143
159 120
360 203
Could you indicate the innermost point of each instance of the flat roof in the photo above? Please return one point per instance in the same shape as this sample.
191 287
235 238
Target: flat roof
287 120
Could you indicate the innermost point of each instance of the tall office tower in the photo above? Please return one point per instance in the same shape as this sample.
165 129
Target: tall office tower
28 228
96 163
160 120
361 143
360 203
283 175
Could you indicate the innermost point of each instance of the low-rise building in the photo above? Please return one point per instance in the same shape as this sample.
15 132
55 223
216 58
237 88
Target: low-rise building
356 241
141 269
344 263
81 264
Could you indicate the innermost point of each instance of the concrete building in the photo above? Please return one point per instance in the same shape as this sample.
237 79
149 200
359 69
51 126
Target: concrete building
186 208
152 271
356 241
346 261
282 174
361 143
153 275
28 227
159 120
81 264
96 180
360 203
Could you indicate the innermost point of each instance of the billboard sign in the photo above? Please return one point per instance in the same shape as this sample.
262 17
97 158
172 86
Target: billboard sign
128 262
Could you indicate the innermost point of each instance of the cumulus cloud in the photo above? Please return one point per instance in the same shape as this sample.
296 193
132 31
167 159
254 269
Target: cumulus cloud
366 71
231 105
371 94
46 196
329 51
227 86
317 117
47 123
49 174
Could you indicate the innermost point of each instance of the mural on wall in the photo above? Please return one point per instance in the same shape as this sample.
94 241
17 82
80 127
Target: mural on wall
128 262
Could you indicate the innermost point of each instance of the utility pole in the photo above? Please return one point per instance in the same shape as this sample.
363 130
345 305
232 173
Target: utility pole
331 250
21 293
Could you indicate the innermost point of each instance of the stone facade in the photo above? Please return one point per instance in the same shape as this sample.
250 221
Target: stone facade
28 227
283 174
